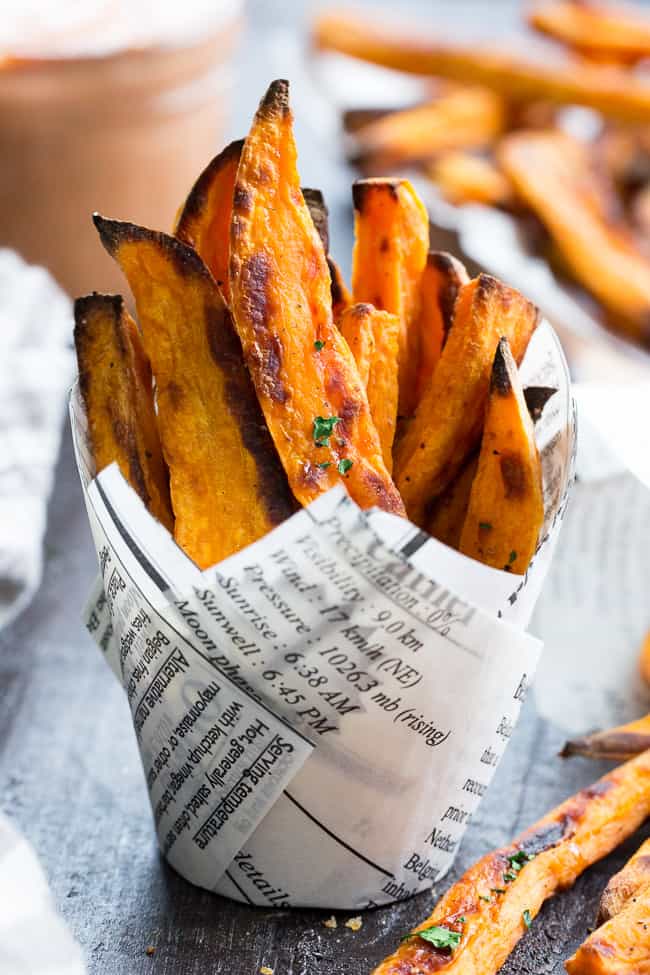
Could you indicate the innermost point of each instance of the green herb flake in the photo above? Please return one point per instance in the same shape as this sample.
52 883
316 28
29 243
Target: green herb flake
485 525
509 877
324 465
517 860
318 345
344 465
498 890
460 920
323 426
527 919
484 897
512 557
440 937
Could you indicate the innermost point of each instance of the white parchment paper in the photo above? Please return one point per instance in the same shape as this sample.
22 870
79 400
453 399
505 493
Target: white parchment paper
320 714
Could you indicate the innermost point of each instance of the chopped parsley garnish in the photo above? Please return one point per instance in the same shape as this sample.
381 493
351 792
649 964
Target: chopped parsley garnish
460 920
324 465
498 890
509 877
323 426
527 919
485 525
318 345
512 557
484 897
517 860
440 937
344 465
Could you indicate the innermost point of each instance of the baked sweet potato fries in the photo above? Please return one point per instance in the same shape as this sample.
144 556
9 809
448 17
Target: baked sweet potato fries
476 924
491 129
255 381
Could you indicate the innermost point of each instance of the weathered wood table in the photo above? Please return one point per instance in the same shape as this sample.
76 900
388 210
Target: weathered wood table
70 774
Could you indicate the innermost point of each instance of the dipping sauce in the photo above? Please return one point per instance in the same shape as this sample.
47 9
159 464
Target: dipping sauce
108 105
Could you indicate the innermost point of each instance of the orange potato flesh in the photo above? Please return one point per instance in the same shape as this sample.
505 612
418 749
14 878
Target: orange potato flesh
373 337
612 91
447 516
441 281
464 178
116 387
320 216
460 118
625 884
204 221
304 373
619 947
227 485
551 173
619 743
449 419
390 253
506 506
563 844
595 29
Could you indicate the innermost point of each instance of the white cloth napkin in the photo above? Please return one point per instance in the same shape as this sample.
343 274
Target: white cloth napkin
33 938
36 370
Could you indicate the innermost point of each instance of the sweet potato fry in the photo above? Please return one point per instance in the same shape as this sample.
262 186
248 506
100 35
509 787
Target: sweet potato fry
441 281
390 253
446 516
320 215
204 220
116 387
448 421
460 118
621 946
614 32
619 743
465 178
506 506
487 911
373 337
304 373
227 485
625 884
551 173
565 80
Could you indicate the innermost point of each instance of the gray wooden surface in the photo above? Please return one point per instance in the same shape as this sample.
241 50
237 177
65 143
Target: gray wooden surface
70 774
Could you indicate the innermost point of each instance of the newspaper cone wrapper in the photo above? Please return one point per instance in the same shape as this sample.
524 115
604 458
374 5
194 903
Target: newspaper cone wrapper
319 715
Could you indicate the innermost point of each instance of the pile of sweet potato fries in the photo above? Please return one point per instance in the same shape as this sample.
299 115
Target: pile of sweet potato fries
492 132
255 381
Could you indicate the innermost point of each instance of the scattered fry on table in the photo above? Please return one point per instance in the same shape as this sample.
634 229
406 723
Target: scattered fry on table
563 80
625 884
463 177
551 173
644 660
459 118
618 743
390 253
228 487
506 507
621 946
116 387
304 374
612 31
483 916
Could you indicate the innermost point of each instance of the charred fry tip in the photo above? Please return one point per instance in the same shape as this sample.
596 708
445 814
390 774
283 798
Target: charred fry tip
276 99
441 260
86 303
536 399
197 196
114 233
502 368
362 187
319 214
312 195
